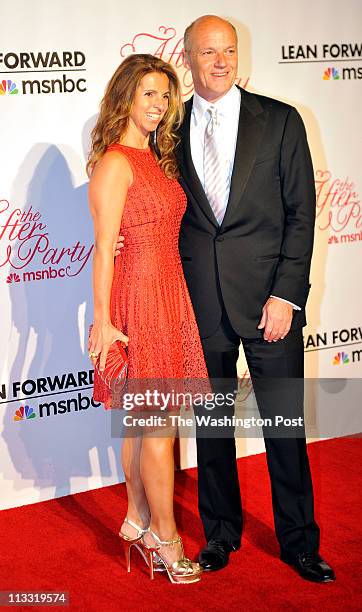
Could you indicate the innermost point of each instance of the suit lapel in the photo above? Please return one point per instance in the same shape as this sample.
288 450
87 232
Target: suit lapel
189 174
252 123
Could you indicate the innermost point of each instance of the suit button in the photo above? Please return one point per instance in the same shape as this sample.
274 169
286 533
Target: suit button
219 238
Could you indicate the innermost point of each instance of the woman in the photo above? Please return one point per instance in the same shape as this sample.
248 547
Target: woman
142 298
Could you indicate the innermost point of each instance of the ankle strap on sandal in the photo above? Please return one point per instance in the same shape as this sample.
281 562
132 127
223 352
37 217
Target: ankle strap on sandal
164 542
139 529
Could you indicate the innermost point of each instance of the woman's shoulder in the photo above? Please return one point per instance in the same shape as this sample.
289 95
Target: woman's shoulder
114 164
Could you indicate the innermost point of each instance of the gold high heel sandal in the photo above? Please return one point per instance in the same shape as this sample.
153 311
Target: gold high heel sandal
182 571
128 542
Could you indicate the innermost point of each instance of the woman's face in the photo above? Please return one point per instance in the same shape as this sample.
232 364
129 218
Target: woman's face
150 102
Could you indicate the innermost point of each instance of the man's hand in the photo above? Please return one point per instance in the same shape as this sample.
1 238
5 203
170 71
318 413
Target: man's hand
119 245
276 319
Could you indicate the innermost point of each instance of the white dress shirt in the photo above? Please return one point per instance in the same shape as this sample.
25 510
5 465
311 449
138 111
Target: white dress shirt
228 111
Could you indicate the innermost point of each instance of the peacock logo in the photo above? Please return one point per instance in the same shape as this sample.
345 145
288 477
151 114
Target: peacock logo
8 87
13 278
24 413
331 74
341 359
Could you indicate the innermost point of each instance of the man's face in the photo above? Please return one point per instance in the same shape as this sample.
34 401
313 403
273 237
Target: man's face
212 58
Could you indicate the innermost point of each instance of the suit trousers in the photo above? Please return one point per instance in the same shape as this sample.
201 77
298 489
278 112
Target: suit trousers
276 370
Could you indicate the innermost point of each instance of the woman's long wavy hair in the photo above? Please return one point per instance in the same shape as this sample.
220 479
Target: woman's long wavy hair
116 106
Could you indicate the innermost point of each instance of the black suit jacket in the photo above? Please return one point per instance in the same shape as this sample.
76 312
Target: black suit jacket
264 245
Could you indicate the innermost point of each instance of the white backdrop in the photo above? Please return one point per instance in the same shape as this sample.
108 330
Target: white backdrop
55 60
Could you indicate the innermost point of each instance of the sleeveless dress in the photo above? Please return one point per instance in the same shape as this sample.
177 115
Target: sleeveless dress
150 302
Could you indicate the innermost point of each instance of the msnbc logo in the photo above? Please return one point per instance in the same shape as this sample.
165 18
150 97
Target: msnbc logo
13 278
8 87
333 240
341 358
24 413
331 74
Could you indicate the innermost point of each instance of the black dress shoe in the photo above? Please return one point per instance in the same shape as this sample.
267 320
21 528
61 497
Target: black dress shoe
215 555
312 567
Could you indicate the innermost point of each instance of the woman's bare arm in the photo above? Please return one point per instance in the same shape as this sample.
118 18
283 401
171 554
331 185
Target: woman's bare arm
108 188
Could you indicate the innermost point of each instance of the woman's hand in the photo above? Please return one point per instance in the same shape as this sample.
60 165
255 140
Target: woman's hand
100 339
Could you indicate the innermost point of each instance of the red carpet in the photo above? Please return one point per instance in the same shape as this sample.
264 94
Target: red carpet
71 544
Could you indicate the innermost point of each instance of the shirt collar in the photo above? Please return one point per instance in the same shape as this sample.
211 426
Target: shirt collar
226 106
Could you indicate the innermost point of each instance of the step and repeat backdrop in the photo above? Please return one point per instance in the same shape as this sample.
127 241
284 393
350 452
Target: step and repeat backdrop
55 60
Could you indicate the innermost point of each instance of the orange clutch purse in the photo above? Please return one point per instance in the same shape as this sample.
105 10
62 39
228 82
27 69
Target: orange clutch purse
114 374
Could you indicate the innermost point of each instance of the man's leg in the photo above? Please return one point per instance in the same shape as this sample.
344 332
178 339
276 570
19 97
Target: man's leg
219 493
277 369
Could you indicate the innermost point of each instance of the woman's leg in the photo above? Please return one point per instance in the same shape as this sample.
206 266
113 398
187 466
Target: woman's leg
138 509
157 472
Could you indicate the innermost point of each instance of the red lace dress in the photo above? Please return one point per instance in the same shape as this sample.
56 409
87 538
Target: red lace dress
150 302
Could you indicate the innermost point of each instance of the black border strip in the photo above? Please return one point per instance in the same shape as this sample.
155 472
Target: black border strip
28 399
45 70
324 61
324 348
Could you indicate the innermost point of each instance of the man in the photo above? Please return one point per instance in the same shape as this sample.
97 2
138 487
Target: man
246 245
